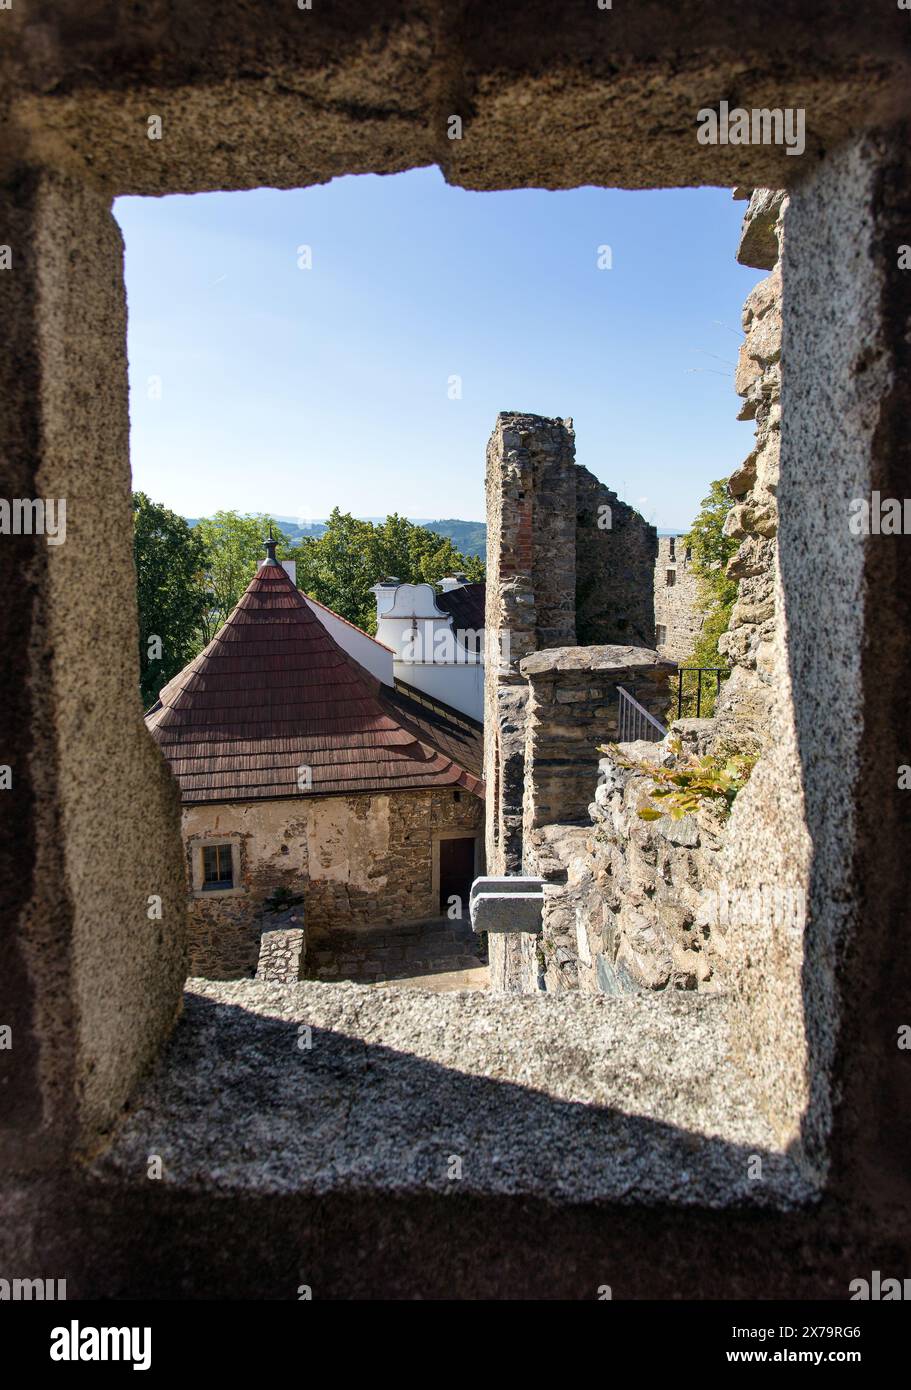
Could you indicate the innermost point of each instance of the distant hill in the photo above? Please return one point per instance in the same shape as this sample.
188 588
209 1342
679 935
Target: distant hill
468 536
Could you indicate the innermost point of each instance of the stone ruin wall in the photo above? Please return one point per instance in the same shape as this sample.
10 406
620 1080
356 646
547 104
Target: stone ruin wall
612 603
530 603
676 604
634 905
551 566
744 711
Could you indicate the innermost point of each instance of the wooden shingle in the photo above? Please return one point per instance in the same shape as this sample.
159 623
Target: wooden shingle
273 693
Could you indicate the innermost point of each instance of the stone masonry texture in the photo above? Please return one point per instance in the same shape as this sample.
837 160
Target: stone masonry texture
357 861
634 905
613 604
551 562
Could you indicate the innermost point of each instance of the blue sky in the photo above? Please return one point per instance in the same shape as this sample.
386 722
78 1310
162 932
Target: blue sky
290 390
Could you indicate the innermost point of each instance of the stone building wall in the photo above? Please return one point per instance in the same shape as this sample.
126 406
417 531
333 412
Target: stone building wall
552 564
531 584
573 707
677 610
264 99
628 902
357 860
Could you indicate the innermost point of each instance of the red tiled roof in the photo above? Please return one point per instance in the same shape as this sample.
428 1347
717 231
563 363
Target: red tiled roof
451 731
272 693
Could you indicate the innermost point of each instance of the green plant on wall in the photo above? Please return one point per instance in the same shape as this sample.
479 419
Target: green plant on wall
690 783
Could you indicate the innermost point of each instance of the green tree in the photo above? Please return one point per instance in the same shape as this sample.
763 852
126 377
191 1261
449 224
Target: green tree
337 568
340 567
717 592
234 546
171 592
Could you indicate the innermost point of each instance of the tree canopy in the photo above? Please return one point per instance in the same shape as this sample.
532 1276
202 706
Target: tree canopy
340 567
171 593
190 577
234 548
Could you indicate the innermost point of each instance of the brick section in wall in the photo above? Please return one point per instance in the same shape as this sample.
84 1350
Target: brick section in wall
531 578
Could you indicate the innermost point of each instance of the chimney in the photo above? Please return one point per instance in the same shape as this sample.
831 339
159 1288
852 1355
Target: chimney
453 581
385 593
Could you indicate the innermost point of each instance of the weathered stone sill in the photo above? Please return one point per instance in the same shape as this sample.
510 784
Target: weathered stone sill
570 1099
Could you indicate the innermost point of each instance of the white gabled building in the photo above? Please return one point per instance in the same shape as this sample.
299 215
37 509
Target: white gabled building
431 642
437 639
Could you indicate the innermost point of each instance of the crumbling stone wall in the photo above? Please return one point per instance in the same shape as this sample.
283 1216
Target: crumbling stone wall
531 585
567 563
357 860
553 563
677 609
573 707
615 551
744 708
628 901
271 96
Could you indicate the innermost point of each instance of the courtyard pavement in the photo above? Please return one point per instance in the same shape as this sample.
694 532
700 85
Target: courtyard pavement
438 955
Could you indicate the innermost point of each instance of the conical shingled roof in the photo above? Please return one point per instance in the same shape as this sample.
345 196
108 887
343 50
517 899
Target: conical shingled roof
272 693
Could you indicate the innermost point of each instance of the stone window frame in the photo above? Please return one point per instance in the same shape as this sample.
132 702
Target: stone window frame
850 214
195 849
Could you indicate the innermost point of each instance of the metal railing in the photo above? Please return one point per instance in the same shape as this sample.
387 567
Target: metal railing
717 671
635 722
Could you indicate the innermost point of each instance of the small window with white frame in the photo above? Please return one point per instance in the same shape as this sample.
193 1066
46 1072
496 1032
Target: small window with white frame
216 867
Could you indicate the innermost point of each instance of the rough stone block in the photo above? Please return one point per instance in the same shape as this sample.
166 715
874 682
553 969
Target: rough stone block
509 910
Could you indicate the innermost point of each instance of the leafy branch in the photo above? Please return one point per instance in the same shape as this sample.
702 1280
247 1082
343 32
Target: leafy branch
690 783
